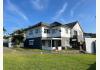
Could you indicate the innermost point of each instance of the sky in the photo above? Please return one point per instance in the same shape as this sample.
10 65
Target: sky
24 13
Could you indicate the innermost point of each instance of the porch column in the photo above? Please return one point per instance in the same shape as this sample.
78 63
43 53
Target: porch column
51 43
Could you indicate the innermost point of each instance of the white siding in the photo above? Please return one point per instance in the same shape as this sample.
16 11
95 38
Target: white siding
64 33
89 45
79 31
45 34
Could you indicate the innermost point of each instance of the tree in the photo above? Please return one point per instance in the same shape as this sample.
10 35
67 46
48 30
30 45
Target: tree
17 37
4 30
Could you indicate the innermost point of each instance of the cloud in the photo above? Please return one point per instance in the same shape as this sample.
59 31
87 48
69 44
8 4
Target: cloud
86 17
12 7
72 11
39 4
61 11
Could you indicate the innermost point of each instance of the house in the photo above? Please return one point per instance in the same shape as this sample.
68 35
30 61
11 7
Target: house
54 36
90 40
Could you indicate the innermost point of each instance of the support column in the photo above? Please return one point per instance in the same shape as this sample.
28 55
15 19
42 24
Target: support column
51 43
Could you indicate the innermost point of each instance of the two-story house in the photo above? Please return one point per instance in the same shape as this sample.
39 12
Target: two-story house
54 36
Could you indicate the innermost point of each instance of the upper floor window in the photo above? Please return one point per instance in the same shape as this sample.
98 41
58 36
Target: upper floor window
37 31
46 31
30 32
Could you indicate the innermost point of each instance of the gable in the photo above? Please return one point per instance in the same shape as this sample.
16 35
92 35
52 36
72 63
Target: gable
78 27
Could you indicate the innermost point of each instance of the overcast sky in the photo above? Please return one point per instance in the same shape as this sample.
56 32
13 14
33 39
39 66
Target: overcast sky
23 13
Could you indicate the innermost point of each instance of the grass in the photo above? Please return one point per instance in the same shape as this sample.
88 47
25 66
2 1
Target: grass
30 59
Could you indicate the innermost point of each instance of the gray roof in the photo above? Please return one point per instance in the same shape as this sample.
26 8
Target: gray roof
36 25
55 24
71 25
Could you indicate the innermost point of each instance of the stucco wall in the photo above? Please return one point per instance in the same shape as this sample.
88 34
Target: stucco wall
89 44
65 32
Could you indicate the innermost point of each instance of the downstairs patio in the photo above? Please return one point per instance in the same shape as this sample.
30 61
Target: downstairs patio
51 44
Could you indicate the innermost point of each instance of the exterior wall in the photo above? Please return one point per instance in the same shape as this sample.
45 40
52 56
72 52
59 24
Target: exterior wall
89 45
37 43
45 34
65 33
79 32
65 42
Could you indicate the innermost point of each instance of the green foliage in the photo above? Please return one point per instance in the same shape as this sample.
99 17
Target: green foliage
17 39
4 29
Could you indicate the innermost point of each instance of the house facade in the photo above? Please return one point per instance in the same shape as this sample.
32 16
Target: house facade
54 36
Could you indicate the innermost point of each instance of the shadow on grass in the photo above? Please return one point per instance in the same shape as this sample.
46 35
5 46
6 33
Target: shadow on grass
30 48
92 67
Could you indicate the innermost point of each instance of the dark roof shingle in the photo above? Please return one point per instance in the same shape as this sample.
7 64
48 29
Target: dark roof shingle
55 24
71 25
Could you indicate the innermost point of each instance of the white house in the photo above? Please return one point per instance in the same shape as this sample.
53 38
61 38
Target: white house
54 36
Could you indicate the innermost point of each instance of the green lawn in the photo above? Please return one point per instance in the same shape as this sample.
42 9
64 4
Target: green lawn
29 59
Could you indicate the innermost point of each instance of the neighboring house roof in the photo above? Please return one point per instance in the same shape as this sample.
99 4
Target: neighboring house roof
90 35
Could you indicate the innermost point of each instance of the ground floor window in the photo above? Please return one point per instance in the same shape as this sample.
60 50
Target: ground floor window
31 42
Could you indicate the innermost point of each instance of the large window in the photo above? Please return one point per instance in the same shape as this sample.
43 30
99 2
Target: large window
31 42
